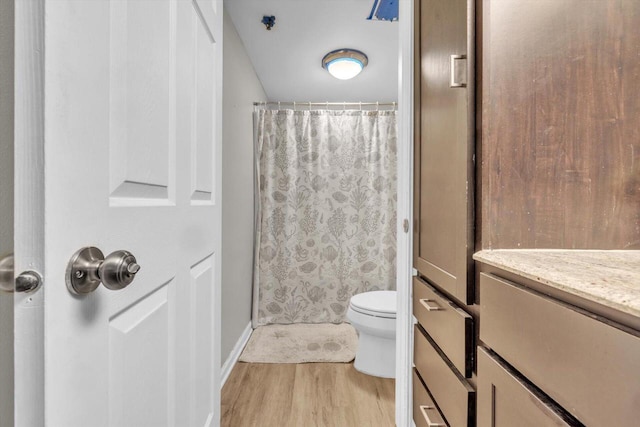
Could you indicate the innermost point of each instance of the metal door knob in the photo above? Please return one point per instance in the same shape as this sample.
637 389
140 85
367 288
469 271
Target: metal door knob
27 281
88 268
118 270
6 273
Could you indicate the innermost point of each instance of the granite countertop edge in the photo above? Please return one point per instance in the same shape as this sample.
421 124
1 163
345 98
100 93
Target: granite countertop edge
607 277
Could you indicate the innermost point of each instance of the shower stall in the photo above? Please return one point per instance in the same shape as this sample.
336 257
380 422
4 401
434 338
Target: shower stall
325 208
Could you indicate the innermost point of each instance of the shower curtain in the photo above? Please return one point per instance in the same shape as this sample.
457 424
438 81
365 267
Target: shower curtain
326 212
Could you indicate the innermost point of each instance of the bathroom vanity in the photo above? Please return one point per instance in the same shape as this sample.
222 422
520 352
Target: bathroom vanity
558 343
527 152
559 338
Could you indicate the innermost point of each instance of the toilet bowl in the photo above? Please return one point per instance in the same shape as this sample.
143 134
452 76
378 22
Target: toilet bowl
373 315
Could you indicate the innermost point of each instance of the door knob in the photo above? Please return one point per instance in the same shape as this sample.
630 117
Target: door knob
88 268
6 273
27 281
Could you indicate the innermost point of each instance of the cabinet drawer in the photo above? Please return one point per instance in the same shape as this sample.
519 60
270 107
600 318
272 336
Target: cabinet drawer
425 413
505 400
587 366
446 323
453 394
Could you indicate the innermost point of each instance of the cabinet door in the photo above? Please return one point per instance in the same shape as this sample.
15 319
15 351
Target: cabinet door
453 394
446 323
444 146
587 364
505 400
425 412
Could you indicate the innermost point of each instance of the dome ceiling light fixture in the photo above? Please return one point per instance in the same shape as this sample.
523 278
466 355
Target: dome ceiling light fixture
344 64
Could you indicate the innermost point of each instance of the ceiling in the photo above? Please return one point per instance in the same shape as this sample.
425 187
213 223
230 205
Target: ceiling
288 58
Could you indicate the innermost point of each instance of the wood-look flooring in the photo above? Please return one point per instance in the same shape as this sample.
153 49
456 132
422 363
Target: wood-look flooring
306 395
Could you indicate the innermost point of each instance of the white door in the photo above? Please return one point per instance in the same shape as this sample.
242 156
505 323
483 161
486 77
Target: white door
118 136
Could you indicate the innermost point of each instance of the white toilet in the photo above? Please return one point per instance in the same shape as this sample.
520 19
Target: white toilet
373 314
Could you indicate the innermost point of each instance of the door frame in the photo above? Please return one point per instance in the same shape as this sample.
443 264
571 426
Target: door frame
6 206
404 271
29 208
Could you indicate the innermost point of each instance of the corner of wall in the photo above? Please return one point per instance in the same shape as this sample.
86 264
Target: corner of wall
241 87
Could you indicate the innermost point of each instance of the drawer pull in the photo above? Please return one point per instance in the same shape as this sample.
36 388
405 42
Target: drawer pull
430 305
423 409
453 70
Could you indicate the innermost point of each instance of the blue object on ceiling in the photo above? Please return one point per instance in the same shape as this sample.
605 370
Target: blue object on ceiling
384 10
269 21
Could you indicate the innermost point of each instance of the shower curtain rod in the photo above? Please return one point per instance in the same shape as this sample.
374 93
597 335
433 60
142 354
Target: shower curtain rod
296 104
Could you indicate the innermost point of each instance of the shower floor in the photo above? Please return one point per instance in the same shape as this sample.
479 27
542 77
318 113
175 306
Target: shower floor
309 394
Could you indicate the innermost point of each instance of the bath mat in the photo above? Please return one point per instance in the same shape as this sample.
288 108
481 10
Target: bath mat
301 343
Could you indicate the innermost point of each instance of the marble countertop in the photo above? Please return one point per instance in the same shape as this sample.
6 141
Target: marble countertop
611 278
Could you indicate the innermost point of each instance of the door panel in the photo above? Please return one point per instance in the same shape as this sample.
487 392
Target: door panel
143 110
132 101
443 173
138 361
202 300
203 107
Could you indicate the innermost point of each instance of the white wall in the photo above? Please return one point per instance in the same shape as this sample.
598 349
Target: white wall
241 89
6 207
288 58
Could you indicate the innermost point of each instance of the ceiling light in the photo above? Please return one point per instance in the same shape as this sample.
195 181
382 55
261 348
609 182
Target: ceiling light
344 64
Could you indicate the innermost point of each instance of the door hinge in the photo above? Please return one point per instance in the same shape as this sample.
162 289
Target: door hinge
405 225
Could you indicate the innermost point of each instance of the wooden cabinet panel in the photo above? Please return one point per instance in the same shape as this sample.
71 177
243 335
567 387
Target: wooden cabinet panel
446 323
444 147
425 412
453 394
560 124
585 364
505 400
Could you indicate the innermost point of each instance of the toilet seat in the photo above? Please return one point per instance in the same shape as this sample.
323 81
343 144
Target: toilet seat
376 303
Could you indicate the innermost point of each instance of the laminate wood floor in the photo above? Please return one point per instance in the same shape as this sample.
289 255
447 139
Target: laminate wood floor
304 395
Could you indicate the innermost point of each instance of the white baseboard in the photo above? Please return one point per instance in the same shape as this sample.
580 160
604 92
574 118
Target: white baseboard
235 354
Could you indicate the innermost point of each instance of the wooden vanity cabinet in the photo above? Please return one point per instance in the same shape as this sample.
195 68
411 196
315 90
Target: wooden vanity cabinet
449 326
558 164
505 399
443 149
451 392
588 364
425 411
555 153
443 210
555 105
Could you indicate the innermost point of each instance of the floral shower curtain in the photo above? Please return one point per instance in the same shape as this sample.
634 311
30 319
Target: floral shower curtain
326 212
